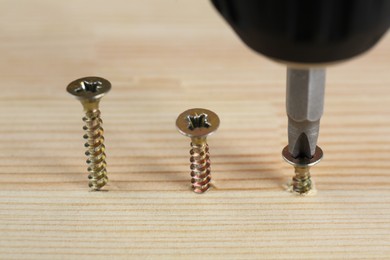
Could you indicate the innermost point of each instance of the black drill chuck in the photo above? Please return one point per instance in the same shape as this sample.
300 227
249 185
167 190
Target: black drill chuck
307 31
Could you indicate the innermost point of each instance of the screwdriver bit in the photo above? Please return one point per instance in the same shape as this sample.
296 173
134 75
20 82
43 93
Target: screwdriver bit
305 105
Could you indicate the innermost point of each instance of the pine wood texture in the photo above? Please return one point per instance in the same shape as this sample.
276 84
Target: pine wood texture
163 57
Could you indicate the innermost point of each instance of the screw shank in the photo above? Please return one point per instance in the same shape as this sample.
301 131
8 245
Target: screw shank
301 182
95 150
90 104
198 140
200 167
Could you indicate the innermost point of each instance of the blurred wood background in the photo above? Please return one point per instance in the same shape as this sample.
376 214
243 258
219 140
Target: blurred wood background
162 58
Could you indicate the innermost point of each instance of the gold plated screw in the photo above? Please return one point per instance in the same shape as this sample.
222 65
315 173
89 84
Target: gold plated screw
198 123
89 91
301 183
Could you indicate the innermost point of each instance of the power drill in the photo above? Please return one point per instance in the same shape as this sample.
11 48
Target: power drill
306 35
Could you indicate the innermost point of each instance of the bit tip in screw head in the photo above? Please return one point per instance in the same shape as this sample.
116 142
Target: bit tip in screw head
302 161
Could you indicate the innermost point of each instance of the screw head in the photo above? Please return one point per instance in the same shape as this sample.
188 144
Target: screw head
197 122
89 88
302 162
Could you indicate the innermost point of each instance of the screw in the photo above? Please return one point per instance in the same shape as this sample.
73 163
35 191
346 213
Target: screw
89 91
198 123
301 183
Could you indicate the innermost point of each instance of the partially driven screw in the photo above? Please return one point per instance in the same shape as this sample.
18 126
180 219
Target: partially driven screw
198 123
89 91
301 183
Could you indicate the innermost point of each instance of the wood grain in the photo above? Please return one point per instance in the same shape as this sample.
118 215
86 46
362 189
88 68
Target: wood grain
163 57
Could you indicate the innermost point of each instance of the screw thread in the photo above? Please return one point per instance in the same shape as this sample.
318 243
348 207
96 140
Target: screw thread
200 167
301 182
95 149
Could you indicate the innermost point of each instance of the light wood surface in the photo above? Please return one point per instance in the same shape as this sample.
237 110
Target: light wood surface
163 57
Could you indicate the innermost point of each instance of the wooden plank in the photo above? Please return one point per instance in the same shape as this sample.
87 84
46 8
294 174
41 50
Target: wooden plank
163 57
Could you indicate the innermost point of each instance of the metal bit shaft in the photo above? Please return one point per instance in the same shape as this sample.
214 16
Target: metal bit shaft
305 105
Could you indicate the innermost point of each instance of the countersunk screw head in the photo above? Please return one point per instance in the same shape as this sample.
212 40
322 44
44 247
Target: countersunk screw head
197 123
89 88
302 161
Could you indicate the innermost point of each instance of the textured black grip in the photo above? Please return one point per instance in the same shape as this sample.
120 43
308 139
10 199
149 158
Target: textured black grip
307 31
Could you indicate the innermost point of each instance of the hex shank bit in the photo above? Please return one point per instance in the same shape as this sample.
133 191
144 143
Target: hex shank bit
305 105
